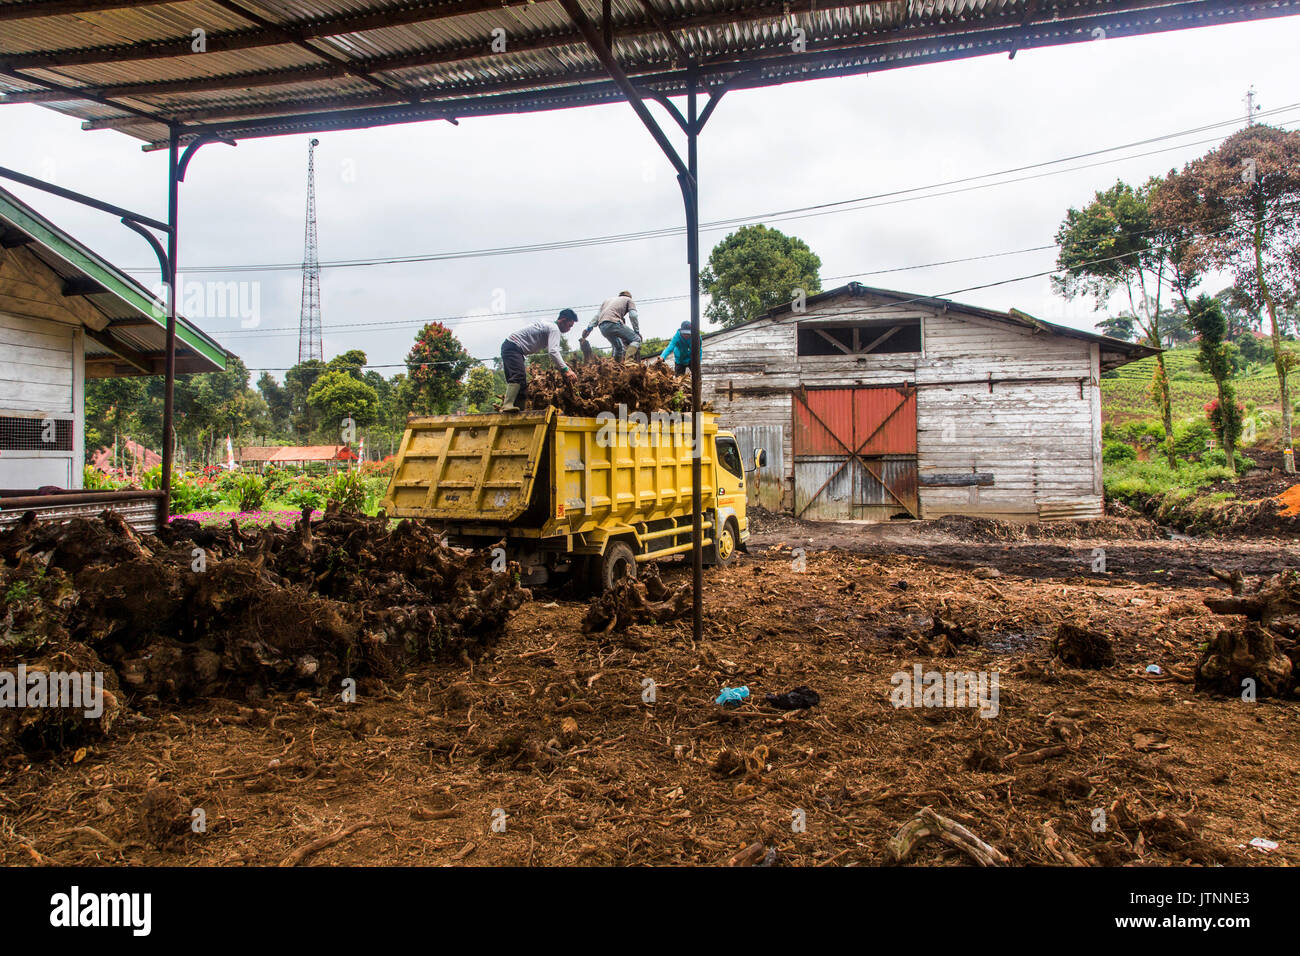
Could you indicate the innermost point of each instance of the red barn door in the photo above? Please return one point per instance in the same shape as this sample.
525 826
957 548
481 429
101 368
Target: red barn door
855 452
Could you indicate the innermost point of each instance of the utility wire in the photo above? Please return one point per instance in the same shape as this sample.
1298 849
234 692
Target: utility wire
872 310
872 201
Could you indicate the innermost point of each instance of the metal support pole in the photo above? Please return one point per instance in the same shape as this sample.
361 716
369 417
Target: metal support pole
687 179
691 198
169 364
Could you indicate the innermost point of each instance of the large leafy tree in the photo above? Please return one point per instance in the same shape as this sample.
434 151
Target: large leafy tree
755 269
336 396
435 366
1241 201
1111 246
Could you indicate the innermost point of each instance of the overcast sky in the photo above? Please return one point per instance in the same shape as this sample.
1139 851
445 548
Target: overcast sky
433 188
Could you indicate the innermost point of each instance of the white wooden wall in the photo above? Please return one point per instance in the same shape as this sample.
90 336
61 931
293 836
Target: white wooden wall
42 373
1040 439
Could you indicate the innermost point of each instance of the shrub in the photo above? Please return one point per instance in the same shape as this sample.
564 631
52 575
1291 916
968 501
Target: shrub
370 469
376 487
1145 432
249 491
92 479
278 481
1132 479
190 495
1216 457
1191 437
304 494
347 490
1114 452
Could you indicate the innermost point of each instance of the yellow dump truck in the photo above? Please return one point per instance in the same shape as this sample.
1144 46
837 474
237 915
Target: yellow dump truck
587 497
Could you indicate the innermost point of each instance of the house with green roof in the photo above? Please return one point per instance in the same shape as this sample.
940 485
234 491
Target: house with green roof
66 315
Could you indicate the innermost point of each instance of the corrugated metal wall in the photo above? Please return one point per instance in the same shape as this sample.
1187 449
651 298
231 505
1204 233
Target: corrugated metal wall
765 485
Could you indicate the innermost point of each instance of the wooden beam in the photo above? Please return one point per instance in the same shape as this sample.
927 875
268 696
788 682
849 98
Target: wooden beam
137 322
287 35
834 341
662 26
137 360
880 338
80 286
958 480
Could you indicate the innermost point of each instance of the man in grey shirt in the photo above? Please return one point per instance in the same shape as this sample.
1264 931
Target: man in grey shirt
530 340
612 318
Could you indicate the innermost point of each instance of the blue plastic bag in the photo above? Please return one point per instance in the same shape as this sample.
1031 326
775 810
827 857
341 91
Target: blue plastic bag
732 696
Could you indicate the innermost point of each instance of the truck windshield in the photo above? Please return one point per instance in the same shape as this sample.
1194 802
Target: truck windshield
729 457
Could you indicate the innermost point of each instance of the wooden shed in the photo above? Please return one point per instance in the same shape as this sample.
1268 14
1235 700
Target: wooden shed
67 315
873 404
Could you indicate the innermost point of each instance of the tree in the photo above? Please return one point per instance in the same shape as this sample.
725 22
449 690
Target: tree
113 407
480 390
279 406
337 396
1215 359
298 381
1117 327
351 361
755 269
1111 245
435 366
1241 201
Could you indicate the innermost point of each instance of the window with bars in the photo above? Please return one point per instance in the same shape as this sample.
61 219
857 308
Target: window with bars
860 339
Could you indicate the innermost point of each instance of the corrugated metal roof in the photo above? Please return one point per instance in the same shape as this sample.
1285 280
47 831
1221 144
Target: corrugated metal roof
281 66
136 321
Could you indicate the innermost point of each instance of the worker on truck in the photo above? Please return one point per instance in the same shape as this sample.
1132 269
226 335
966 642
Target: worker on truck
531 340
613 319
679 347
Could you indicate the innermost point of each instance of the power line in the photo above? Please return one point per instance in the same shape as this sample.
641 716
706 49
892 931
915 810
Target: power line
474 320
872 310
893 197
461 321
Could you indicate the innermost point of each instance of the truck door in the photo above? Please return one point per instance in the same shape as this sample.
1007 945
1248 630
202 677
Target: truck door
729 475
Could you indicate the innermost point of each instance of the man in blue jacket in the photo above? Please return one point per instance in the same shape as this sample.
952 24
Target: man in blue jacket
680 349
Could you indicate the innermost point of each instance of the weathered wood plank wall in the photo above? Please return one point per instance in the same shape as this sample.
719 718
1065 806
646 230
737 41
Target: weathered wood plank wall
1036 427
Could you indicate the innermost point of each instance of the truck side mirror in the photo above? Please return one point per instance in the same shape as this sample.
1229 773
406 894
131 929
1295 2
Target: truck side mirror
760 458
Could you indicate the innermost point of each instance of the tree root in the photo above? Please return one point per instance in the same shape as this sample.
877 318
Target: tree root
929 825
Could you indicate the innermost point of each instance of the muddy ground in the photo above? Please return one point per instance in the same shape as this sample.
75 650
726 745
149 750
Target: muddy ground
1136 550
548 735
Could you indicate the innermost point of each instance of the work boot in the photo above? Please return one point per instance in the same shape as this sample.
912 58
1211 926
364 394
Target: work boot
512 392
632 352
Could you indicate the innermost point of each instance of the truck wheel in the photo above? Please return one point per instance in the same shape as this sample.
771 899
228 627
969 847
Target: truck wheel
618 562
724 546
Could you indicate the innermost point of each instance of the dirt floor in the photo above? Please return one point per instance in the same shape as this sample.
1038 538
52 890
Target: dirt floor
545 747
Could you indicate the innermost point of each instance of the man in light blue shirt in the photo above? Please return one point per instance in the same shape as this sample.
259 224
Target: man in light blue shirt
679 347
